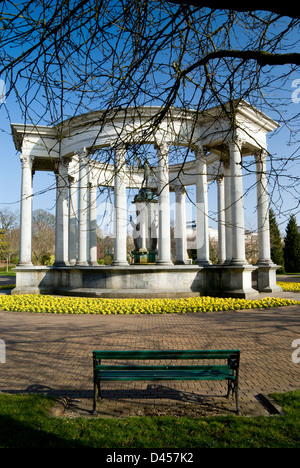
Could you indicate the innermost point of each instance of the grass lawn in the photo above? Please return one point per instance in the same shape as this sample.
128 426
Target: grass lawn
26 422
7 273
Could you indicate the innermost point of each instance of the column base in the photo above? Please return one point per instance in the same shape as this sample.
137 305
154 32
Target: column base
241 262
164 262
266 277
230 281
82 263
61 264
203 262
119 263
25 265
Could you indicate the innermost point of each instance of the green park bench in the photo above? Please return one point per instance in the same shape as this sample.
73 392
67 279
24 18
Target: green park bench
128 371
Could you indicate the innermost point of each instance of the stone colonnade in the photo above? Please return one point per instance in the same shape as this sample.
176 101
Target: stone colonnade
218 153
76 204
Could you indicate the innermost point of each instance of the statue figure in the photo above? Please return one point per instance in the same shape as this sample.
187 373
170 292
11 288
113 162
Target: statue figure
136 233
146 173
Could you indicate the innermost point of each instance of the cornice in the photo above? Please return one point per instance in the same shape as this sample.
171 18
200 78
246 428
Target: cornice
245 113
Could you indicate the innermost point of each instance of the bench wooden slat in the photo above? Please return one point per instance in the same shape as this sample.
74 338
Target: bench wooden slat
210 373
153 368
128 371
165 354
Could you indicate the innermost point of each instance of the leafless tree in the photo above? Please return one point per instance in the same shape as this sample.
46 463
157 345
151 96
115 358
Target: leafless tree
8 223
43 235
62 58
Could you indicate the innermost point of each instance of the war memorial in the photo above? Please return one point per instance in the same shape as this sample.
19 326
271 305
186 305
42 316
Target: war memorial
218 150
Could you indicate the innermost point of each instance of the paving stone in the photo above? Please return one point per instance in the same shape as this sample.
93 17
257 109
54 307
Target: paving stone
52 354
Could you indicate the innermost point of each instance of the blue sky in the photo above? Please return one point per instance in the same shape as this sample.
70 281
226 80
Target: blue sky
10 186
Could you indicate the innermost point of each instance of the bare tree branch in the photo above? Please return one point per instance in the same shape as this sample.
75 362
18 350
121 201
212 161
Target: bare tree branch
261 57
61 59
286 9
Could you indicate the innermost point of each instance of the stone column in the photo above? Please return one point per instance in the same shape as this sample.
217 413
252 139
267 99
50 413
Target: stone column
25 258
263 227
72 220
164 236
62 216
266 269
237 206
228 224
120 206
221 221
93 222
143 219
153 225
83 194
180 226
202 232
73 207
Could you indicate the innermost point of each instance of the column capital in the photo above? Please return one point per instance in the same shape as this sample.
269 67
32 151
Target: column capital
225 161
73 170
179 189
72 180
162 146
62 168
119 152
120 148
93 181
82 154
220 178
26 160
235 140
261 155
200 151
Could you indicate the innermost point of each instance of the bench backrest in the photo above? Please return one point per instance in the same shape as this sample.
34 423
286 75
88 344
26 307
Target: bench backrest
232 355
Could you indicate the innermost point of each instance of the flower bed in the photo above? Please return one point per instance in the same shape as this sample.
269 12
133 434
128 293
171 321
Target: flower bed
76 305
292 287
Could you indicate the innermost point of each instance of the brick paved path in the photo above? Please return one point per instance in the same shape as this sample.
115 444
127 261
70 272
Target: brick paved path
53 354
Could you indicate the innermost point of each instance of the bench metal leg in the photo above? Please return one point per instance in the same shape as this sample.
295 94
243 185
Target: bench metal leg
97 396
237 400
233 387
95 399
228 388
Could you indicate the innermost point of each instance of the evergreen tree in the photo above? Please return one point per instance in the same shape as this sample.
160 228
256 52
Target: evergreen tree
292 247
276 243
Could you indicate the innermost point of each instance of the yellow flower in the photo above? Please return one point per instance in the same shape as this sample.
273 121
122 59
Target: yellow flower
73 305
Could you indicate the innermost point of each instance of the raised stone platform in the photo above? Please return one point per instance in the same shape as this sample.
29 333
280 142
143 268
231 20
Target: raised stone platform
144 281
